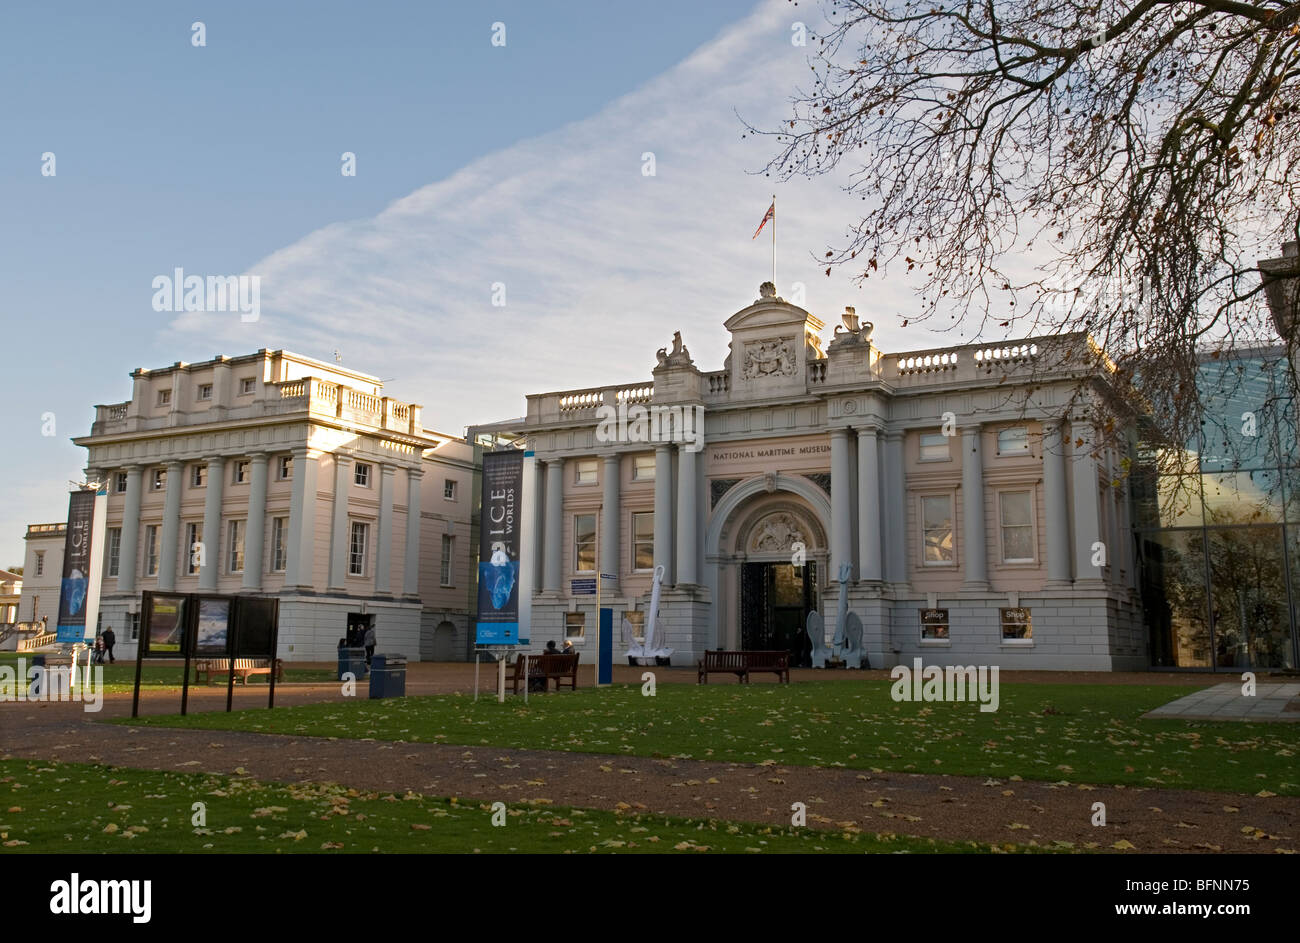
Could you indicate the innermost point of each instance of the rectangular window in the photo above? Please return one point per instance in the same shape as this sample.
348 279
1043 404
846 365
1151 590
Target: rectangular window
934 447
40 562
936 530
164 397
279 536
644 468
584 543
196 476
1017 520
159 479
445 568
1013 441
114 550
934 624
151 550
635 618
575 624
205 391
357 549
643 540
133 626
193 537
247 385
240 473
362 475
449 489
236 558
120 483
585 471
1016 625
284 467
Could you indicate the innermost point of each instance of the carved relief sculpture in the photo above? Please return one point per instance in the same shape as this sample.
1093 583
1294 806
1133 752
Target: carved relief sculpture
773 357
777 533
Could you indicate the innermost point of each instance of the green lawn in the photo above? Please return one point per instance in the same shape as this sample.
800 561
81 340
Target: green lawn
120 677
1056 732
48 807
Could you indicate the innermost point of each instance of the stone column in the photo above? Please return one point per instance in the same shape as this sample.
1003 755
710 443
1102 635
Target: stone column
1056 505
538 545
129 549
868 505
551 559
1087 509
302 520
216 472
255 529
973 543
664 509
411 569
895 506
339 536
841 523
384 535
609 520
171 525
688 570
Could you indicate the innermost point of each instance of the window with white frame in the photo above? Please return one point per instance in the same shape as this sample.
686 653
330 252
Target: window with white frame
239 474
133 626
362 475
247 386
236 555
164 397
934 625
1016 624
279 536
357 549
937 530
40 562
584 470
159 479
120 483
934 447
196 476
1016 517
193 537
284 467
643 468
151 550
444 570
643 540
114 550
205 391
1013 441
635 618
575 624
584 543
449 489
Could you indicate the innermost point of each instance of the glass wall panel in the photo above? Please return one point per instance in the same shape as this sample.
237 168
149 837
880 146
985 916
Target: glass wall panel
1244 497
1248 597
1174 598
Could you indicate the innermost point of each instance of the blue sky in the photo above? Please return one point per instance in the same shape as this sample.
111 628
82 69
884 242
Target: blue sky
476 164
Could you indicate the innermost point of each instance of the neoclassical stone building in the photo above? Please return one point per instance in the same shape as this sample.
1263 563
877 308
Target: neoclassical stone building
299 479
976 525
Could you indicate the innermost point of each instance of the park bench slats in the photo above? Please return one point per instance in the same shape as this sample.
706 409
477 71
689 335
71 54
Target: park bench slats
560 667
741 664
244 668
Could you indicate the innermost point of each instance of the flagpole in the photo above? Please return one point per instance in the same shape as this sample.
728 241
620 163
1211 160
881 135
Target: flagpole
773 240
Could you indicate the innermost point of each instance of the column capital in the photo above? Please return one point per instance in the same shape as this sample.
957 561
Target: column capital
664 447
342 458
258 457
174 463
386 469
611 458
132 467
415 472
213 459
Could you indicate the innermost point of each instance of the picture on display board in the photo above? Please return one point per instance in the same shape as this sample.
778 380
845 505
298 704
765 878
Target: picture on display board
212 633
165 617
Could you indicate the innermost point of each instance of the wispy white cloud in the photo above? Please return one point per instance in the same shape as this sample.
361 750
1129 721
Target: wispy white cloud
600 263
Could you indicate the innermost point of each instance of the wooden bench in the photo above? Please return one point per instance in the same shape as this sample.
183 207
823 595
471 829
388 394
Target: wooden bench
563 668
741 664
244 667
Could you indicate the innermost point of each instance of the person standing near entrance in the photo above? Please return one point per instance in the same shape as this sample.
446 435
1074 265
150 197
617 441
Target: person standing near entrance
109 641
369 642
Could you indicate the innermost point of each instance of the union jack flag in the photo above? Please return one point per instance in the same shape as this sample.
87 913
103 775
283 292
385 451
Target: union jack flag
770 214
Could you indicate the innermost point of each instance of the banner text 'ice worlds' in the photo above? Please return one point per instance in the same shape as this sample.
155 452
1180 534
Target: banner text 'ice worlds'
75 588
498 621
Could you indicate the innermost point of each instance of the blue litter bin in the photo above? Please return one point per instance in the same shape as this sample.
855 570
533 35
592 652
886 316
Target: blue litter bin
387 676
352 660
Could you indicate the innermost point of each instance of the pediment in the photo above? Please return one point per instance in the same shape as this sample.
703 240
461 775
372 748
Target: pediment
766 314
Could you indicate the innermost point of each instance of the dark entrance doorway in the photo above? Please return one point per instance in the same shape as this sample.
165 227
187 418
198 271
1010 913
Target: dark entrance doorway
357 625
775 599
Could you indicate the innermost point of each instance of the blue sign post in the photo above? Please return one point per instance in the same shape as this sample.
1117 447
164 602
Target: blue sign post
605 670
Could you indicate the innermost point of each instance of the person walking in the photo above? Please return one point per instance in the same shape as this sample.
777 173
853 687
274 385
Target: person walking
109 641
98 650
369 643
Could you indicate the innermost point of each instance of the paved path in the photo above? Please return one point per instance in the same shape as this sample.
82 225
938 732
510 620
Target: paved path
1271 702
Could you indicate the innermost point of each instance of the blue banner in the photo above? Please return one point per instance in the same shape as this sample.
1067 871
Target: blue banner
71 624
497 621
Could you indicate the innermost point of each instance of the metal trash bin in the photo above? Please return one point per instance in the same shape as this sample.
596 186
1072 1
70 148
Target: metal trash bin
352 660
387 676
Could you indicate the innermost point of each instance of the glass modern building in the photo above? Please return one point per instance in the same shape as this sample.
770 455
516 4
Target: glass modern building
1218 538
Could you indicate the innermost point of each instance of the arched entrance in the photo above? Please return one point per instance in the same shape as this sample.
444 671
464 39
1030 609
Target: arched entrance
766 558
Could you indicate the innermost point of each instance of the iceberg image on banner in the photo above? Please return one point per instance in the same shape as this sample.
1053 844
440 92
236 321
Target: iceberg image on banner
74 589
499 575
